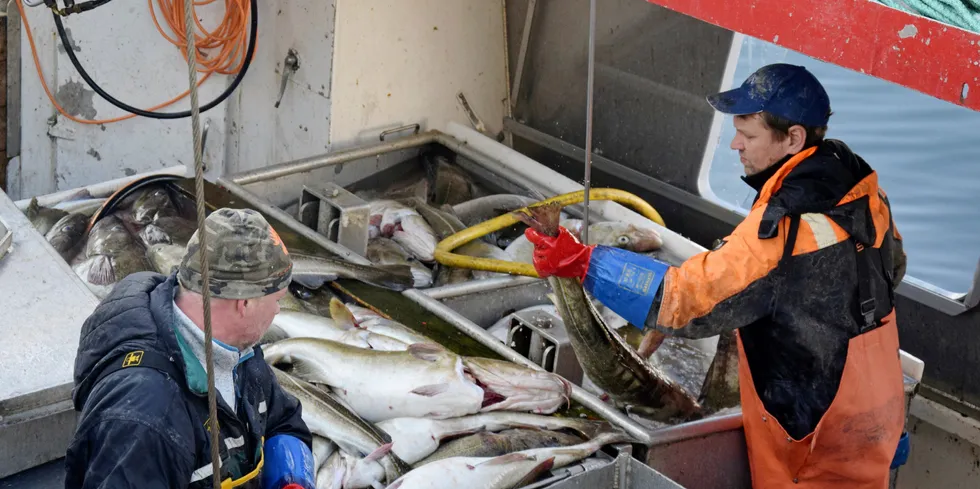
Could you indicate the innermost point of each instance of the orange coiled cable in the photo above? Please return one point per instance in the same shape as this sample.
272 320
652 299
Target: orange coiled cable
229 38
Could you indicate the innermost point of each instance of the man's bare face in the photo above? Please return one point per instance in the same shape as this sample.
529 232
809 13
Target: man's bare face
757 145
258 316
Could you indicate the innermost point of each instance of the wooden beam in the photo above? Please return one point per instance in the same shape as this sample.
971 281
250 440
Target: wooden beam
865 36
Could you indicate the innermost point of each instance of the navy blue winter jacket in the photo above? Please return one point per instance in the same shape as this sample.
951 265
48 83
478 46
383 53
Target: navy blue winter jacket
145 428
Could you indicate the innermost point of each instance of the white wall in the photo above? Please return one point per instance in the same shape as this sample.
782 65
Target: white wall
122 50
399 62
389 63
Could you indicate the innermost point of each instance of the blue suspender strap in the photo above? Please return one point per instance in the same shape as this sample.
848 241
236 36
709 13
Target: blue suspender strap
625 282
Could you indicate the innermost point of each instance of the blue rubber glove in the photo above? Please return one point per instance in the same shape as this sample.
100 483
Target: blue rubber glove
288 464
625 282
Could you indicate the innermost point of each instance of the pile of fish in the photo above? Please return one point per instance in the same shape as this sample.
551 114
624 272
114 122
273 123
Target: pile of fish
409 219
390 407
148 230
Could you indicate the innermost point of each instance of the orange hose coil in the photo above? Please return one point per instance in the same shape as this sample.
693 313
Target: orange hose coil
229 38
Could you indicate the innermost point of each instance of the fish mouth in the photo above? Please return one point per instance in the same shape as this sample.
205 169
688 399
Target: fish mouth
542 395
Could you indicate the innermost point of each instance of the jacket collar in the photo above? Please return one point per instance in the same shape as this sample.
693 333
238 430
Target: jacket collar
758 180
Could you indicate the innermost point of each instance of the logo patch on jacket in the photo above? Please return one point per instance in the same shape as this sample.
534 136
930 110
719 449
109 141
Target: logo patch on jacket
133 359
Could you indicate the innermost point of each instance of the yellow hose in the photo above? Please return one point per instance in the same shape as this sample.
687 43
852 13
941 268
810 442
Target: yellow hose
445 256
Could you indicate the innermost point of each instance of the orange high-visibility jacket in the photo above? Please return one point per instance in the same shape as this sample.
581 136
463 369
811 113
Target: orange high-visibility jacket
807 279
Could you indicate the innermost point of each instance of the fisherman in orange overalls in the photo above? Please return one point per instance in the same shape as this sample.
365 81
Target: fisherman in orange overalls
806 280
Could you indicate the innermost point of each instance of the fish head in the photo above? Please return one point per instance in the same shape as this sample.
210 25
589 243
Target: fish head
417 237
511 386
421 275
625 236
152 204
643 239
68 231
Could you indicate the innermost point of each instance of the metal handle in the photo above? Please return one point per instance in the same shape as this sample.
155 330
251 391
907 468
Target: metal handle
289 66
204 141
416 126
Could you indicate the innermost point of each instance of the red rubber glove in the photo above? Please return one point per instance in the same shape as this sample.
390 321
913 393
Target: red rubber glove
561 256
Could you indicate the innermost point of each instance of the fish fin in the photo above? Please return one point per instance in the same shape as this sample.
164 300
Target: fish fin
341 314
431 390
536 472
429 352
32 209
396 484
378 453
509 458
101 272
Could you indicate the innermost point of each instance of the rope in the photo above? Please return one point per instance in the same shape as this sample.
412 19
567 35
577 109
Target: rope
229 38
203 238
588 123
964 14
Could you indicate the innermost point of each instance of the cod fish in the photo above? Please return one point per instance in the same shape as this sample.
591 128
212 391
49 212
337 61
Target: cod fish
495 444
611 363
117 254
313 271
405 226
165 258
384 251
424 381
327 417
293 324
344 319
509 386
609 233
365 318
515 469
67 235
42 218
413 439
720 388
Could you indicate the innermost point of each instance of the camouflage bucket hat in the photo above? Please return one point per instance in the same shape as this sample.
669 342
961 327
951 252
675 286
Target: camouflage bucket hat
246 258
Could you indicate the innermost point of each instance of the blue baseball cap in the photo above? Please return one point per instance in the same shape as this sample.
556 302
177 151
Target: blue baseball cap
784 90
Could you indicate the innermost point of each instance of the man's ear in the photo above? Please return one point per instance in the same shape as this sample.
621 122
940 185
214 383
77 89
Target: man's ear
797 138
241 306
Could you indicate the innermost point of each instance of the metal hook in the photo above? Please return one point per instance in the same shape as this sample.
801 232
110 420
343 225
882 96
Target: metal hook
289 66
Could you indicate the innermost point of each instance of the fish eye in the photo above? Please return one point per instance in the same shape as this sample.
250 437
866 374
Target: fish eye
623 240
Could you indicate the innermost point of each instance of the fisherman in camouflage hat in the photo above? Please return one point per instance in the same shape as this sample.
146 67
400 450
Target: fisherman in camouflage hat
246 257
153 321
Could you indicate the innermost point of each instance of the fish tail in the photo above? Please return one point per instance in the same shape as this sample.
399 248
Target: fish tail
101 272
542 218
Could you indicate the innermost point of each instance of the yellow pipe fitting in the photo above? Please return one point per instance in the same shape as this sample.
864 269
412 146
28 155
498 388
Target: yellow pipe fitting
444 255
